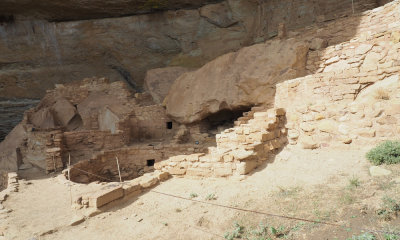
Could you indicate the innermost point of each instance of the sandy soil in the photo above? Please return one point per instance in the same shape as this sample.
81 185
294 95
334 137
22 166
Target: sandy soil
302 183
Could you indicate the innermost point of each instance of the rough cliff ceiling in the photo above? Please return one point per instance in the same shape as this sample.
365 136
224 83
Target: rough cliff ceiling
64 10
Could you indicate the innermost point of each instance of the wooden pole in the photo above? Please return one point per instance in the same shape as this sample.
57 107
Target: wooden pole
119 171
54 162
69 177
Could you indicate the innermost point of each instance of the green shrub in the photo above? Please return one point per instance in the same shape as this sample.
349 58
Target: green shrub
387 152
364 236
390 208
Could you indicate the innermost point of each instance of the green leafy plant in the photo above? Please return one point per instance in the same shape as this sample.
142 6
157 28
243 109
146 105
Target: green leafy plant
391 237
390 208
236 233
193 195
211 196
387 152
354 182
364 236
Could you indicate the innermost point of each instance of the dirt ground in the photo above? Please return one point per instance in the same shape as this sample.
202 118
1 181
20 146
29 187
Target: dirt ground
324 185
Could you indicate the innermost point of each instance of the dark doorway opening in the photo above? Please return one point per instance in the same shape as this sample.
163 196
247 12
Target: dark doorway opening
225 118
169 125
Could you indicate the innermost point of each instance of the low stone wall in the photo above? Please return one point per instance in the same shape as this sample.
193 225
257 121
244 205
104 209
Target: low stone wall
107 193
239 150
134 161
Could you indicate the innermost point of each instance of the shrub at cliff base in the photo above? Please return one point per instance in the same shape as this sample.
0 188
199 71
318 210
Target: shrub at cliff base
387 152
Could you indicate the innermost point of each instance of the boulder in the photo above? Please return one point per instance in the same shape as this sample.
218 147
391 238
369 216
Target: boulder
376 171
158 81
63 111
318 43
218 14
236 79
9 155
43 119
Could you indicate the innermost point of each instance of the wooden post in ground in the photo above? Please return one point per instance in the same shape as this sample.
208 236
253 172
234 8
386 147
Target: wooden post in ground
119 171
69 176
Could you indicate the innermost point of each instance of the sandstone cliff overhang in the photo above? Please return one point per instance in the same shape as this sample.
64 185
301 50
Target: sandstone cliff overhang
66 10
236 80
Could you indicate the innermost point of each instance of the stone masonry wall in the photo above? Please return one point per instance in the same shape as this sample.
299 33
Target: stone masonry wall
354 97
81 145
150 122
239 150
134 161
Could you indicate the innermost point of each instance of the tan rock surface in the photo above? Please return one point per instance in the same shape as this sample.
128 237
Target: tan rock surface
244 78
158 81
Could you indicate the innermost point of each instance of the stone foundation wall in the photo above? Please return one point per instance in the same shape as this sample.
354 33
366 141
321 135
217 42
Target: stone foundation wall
239 150
134 161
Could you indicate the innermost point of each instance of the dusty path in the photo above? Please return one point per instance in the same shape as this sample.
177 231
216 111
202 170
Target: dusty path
282 187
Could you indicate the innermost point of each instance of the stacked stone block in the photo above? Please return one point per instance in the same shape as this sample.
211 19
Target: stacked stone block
239 149
54 152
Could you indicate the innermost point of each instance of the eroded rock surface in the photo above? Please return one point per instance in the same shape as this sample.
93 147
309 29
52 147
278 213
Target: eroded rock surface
60 10
238 79
158 81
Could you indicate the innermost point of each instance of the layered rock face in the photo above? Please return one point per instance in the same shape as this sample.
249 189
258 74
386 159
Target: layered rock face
36 54
11 113
60 10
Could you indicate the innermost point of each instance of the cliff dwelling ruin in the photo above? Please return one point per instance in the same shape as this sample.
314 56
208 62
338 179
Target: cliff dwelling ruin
109 101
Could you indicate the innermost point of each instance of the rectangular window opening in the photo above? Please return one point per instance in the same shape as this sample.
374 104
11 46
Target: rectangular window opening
169 125
150 163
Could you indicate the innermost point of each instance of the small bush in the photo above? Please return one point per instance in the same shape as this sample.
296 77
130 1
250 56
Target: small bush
364 236
236 233
354 182
387 152
390 208
194 195
211 196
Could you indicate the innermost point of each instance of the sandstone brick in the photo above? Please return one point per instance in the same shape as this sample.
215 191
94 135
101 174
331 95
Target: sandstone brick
306 127
328 126
131 187
308 142
198 172
365 132
243 168
105 195
223 171
148 181
162 176
177 171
